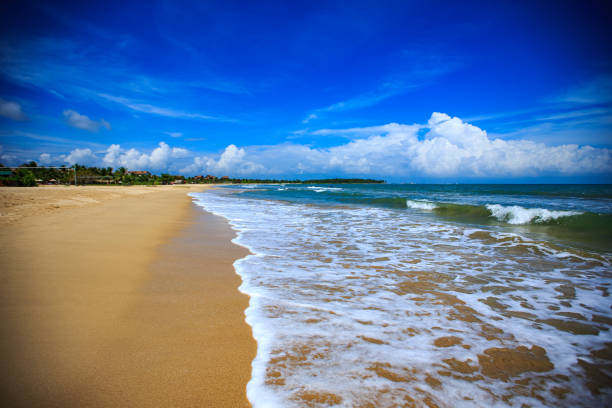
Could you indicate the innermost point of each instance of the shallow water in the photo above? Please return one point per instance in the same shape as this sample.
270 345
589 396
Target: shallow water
368 305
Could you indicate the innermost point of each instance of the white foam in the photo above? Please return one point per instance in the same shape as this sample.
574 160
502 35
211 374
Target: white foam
327 278
421 204
323 189
515 214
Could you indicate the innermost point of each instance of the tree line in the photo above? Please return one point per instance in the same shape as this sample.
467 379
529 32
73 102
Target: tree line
30 174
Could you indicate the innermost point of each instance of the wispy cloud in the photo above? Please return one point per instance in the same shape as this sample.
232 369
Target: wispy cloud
85 70
310 117
595 91
173 134
161 111
206 80
422 68
53 139
368 130
386 91
383 92
546 112
79 121
583 114
502 115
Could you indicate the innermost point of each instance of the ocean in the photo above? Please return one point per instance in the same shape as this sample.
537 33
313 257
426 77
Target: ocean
398 295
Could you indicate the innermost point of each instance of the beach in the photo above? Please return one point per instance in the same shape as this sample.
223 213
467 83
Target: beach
306 295
119 296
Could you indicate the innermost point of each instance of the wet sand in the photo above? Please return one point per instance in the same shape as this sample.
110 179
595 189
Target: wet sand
119 296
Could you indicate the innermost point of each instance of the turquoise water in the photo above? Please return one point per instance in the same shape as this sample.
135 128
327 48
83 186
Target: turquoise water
574 214
421 295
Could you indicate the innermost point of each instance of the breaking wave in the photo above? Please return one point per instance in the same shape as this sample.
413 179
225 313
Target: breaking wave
420 205
519 215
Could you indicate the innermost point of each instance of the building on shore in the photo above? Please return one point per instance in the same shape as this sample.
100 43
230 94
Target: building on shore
140 173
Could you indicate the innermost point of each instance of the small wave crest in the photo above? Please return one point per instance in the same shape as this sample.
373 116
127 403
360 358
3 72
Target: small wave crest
323 189
515 214
420 205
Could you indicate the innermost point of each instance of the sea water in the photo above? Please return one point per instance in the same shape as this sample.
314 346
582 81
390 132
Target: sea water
424 295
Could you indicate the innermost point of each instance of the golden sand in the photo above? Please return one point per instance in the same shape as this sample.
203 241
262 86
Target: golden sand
119 296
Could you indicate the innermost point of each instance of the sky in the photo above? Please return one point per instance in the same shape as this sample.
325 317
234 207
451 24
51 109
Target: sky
406 91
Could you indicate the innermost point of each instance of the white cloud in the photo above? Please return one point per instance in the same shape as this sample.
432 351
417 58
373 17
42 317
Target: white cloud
161 155
157 110
453 147
596 91
444 147
82 156
370 130
231 161
161 158
44 158
310 117
449 148
79 121
6 158
230 157
173 134
12 110
414 68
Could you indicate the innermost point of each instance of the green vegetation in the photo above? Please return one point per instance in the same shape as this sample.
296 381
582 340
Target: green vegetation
29 174
24 177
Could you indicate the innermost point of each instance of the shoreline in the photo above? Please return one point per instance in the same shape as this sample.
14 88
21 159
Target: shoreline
120 296
359 306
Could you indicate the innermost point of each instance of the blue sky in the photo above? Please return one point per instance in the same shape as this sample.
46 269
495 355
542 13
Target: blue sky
406 91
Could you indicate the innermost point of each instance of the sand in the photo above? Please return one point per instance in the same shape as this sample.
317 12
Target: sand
119 296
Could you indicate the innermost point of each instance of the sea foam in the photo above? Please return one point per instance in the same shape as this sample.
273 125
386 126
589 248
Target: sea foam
515 214
323 189
347 306
420 204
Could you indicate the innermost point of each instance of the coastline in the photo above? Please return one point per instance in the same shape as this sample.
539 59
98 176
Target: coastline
103 303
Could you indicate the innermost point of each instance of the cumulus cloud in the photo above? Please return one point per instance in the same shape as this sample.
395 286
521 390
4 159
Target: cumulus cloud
453 147
161 158
449 147
79 121
443 147
231 161
12 110
82 156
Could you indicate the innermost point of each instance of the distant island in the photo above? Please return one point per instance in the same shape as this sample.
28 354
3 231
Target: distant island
30 174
